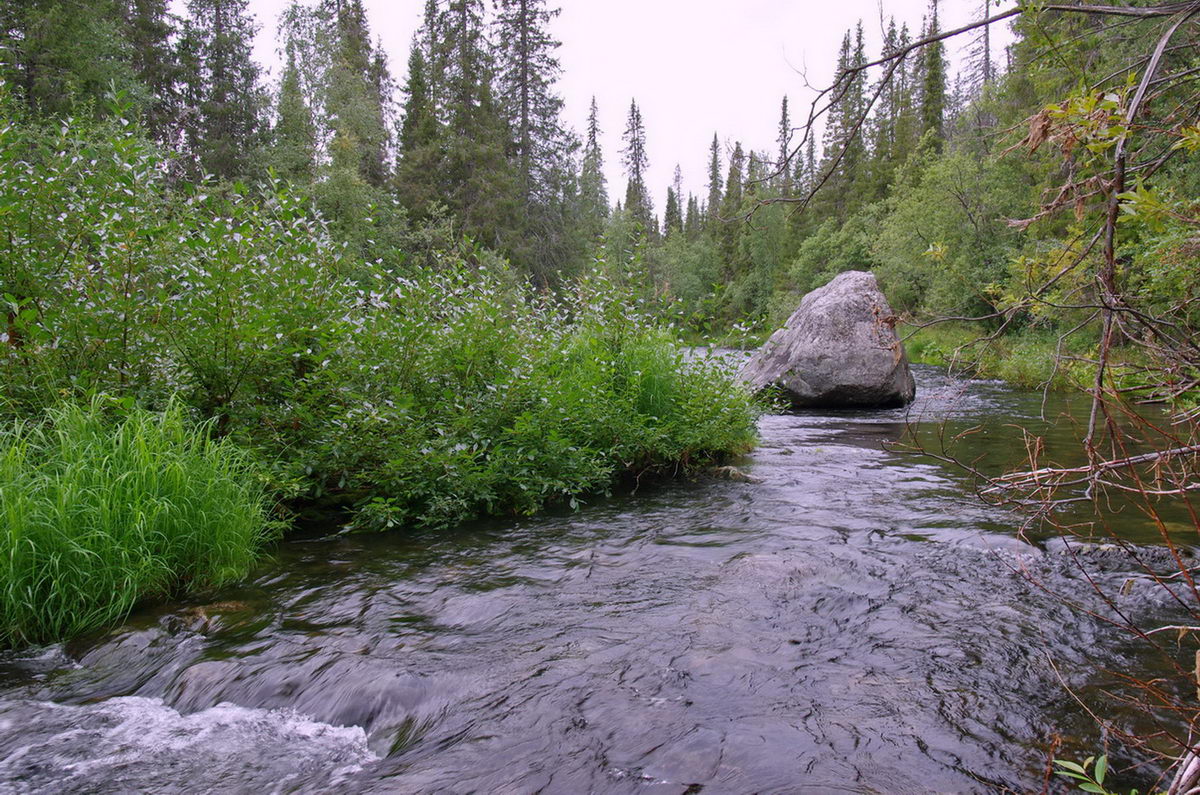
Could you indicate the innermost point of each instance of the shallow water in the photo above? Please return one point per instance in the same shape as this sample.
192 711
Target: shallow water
854 621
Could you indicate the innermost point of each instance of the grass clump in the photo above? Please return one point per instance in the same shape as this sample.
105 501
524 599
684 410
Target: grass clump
98 513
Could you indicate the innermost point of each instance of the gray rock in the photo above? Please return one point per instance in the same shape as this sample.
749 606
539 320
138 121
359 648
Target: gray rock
839 349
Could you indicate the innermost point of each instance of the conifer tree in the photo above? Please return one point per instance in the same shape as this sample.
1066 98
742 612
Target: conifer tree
294 137
756 175
981 65
467 167
223 127
731 205
933 81
527 70
358 95
593 188
693 223
892 134
783 180
419 125
907 126
843 146
54 53
637 198
540 147
150 29
713 206
854 111
420 154
672 215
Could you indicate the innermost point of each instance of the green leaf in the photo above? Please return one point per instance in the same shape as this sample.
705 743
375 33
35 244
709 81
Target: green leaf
1090 787
1101 769
1070 765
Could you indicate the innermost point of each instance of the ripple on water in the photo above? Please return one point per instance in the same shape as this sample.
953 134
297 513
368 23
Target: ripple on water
854 621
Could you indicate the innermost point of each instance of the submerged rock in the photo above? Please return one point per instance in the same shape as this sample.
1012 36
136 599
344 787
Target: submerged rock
839 349
733 473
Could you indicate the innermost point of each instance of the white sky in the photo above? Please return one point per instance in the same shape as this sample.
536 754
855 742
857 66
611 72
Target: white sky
695 66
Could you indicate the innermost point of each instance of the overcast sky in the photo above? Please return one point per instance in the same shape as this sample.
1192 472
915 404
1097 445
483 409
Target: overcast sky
695 66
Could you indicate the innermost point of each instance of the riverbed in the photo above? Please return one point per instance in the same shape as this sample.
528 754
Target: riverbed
850 618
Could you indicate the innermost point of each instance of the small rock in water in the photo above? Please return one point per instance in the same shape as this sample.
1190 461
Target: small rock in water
733 473
839 349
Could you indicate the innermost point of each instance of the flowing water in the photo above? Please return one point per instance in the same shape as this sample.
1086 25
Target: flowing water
853 620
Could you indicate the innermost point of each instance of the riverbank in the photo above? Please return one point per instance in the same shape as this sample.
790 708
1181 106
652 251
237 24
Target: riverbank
424 388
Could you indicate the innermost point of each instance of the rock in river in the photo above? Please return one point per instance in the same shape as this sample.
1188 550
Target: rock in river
839 349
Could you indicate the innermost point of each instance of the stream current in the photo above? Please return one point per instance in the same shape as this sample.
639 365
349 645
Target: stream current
851 620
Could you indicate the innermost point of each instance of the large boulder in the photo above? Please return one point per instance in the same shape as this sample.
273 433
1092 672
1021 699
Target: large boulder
839 349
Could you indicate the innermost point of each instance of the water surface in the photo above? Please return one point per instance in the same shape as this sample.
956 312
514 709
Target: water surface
855 620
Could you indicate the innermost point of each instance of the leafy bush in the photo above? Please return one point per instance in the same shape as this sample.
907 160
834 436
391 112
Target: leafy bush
98 513
426 387
455 397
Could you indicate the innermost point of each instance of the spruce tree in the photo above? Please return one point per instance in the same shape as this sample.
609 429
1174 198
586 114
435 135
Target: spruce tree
150 29
731 206
933 82
855 111
593 188
892 131
637 198
693 223
714 184
907 125
223 127
420 156
419 125
783 175
468 165
540 147
756 175
56 53
672 215
294 137
527 70
843 145
358 92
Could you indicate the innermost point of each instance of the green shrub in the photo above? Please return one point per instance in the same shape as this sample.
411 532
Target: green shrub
98 513
1025 357
426 387
455 397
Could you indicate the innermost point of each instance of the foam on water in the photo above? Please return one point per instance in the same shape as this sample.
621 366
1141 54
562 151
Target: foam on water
105 747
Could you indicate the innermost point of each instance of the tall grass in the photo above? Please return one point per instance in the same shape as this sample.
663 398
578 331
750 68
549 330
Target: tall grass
98 513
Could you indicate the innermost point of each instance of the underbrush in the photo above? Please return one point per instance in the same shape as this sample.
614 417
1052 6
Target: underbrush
452 397
100 512
1027 358
418 394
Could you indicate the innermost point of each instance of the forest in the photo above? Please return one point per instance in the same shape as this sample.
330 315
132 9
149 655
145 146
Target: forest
405 295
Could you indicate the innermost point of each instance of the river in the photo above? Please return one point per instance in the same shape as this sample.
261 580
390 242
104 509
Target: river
853 620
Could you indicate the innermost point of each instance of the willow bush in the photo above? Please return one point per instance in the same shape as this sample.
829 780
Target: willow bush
421 390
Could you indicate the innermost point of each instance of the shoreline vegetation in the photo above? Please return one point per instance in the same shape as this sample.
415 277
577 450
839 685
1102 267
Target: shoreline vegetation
223 334
106 505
